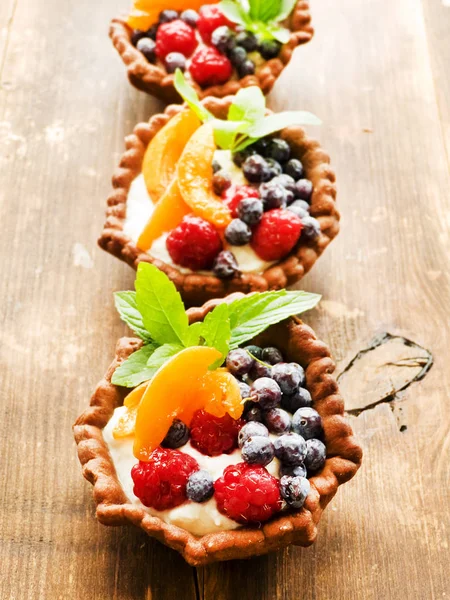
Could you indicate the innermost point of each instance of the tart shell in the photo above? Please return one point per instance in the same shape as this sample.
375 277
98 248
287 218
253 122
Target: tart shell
156 81
299 343
197 288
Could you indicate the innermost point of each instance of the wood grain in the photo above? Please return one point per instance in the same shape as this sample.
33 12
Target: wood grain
376 75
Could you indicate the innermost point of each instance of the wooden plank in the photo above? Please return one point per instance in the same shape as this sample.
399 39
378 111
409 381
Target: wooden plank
62 122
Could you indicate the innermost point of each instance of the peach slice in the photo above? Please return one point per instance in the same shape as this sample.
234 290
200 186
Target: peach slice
162 155
172 392
195 178
223 394
168 213
125 425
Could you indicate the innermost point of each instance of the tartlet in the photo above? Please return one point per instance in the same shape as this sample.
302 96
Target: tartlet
298 343
197 287
155 80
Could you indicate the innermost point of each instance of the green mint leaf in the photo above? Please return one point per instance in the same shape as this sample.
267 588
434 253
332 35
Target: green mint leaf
225 132
248 141
162 355
251 315
235 11
126 307
286 7
134 370
279 121
264 10
248 105
216 331
189 95
194 334
280 33
160 305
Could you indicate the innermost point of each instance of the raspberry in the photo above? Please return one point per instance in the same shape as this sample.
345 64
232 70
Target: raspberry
211 17
214 435
276 234
209 67
194 243
233 196
175 36
161 482
247 494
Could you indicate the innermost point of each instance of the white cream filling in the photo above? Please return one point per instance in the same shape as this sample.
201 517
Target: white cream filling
140 207
197 518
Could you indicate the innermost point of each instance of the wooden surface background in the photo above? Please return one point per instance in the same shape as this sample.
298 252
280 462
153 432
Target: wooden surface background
377 73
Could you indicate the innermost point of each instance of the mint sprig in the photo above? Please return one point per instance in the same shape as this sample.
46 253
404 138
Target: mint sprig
165 331
247 121
261 17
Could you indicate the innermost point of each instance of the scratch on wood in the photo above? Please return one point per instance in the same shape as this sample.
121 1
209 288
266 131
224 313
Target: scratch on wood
8 35
378 373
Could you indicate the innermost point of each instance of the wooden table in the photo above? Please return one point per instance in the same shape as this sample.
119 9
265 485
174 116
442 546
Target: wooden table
377 73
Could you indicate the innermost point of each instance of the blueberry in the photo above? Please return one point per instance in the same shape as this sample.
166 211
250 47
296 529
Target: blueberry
174 61
221 181
238 233
225 265
190 17
290 448
300 399
223 39
251 430
255 169
286 181
271 355
151 33
266 392
294 490
258 451
307 422
137 35
288 376
250 210
294 168
246 68
177 435
274 167
166 16
247 40
260 370
240 157
200 486
255 351
239 362
261 146
303 189
269 49
148 49
277 420
311 228
254 414
237 56
316 454
279 150
216 166
273 195
298 471
244 389
300 208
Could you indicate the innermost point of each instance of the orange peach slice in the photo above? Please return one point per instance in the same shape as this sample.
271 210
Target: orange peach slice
126 423
222 394
195 178
162 155
171 393
168 213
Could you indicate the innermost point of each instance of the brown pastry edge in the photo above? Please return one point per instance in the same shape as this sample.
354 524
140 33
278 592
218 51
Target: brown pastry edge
157 82
299 343
198 288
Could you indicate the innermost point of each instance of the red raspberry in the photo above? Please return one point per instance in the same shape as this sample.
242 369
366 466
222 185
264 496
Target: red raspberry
232 196
247 494
211 17
161 482
175 36
276 234
214 435
194 243
209 67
